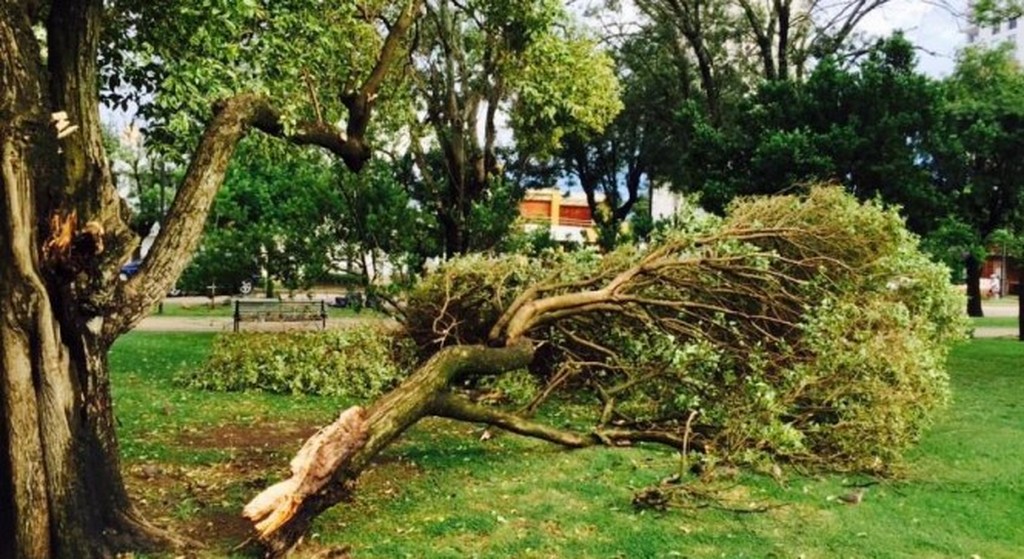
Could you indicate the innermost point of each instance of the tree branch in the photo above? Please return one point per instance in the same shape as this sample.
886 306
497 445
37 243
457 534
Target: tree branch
461 409
180 236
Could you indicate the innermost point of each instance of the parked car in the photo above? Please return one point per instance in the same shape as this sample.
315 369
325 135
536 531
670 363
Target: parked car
224 279
244 286
129 269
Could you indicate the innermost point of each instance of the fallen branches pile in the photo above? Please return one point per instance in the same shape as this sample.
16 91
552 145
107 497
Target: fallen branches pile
803 328
806 329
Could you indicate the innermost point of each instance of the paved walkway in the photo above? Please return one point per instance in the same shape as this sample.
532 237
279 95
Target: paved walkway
998 308
157 323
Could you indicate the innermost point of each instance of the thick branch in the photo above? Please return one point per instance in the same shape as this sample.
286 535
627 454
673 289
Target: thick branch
383 422
461 409
351 149
360 103
389 51
180 236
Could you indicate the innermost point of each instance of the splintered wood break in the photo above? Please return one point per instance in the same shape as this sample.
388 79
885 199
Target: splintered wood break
314 465
62 231
68 246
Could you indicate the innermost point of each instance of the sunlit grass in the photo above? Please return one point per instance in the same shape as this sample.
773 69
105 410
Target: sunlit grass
442 492
994 322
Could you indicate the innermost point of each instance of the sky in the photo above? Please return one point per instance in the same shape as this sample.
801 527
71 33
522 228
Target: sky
935 26
930 25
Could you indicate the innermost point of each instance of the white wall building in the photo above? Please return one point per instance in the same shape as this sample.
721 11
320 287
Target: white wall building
1007 31
665 203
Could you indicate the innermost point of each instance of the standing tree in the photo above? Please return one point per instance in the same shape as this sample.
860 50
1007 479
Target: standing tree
868 127
64 234
730 48
618 162
379 224
978 158
142 175
478 62
273 214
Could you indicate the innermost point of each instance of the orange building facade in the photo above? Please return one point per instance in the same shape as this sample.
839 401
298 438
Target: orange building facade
568 218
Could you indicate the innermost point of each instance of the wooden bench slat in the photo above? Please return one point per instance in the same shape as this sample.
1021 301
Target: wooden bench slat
280 311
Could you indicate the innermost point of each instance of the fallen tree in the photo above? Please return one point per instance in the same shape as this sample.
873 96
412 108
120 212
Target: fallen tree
796 328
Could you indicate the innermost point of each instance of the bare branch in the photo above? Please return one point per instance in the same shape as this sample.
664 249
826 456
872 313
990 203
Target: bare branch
459 408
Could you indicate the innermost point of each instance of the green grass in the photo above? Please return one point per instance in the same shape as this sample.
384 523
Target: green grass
154 414
441 492
995 322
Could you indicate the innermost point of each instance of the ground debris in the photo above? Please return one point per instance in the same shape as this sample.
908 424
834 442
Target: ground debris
674 492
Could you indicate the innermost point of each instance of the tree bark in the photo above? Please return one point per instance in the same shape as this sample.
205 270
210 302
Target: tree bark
1020 311
973 286
61 307
60 485
360 435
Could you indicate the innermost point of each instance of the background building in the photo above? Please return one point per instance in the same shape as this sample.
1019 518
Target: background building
1008 31
568 218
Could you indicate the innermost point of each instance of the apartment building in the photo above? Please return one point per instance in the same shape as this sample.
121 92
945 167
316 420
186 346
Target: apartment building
1010 31
567 217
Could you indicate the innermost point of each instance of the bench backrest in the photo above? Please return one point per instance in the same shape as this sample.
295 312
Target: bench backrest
280 311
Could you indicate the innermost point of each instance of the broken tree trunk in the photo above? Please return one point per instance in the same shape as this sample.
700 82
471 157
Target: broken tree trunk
330 462
326 451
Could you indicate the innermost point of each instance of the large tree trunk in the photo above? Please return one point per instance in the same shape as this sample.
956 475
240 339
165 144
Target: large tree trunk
973 286
61 492
1020 311
62 483
62 238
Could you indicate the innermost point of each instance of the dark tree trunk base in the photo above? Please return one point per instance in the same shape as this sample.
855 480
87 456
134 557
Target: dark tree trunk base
130 532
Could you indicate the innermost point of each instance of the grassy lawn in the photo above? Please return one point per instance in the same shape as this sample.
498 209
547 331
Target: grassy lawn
194 458
994 322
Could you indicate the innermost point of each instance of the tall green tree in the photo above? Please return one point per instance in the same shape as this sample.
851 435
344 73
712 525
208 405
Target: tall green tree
730 49
143 175
866 125
614 166
273 214
978 161
479 63
64 236
738 43
380 224
993 11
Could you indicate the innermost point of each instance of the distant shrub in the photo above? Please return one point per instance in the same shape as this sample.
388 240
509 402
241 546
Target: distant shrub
359 363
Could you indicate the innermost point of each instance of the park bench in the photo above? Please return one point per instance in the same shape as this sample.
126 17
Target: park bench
279 311
357 301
